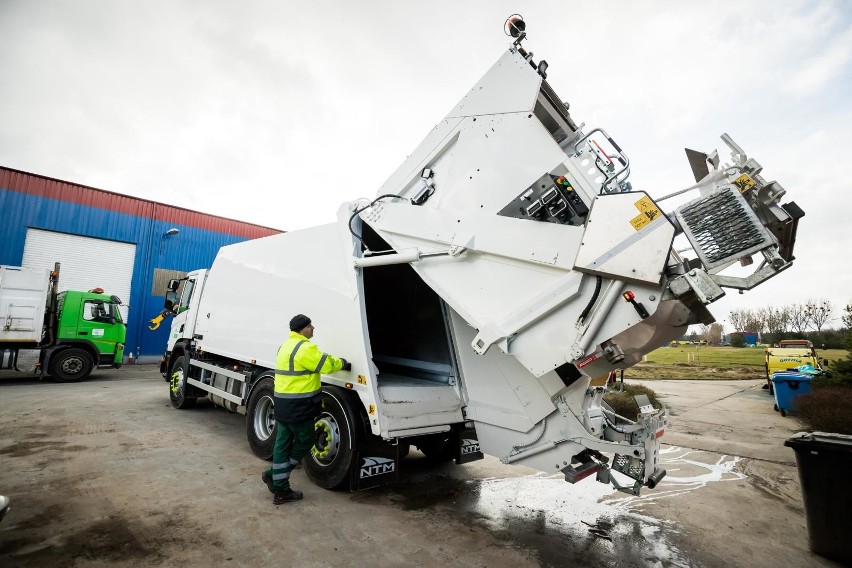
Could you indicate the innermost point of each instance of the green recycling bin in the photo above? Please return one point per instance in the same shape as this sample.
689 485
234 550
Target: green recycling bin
825 461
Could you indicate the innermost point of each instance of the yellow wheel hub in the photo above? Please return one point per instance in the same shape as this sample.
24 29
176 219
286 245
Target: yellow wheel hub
323 433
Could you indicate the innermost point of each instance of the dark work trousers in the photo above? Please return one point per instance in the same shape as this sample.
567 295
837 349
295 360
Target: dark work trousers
293 442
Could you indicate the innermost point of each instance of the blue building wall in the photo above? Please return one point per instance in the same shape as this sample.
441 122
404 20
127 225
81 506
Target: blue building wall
192 248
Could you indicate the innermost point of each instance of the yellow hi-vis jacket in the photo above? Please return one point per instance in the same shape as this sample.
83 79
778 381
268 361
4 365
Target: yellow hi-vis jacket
298 389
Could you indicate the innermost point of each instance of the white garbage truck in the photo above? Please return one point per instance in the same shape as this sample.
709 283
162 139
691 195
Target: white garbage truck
501 271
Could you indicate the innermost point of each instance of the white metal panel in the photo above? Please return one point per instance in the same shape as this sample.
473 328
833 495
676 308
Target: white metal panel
86 262
511 85
408 403
624 241
499 389
517 284
255 287
435 143
23 296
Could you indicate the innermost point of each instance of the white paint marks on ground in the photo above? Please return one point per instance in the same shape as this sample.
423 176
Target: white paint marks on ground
551 504
686 472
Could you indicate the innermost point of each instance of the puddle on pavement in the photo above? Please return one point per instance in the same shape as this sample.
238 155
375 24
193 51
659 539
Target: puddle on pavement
558 521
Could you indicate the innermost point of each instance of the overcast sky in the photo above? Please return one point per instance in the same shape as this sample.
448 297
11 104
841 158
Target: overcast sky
275 112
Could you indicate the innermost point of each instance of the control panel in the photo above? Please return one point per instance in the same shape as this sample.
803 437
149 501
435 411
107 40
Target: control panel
551 198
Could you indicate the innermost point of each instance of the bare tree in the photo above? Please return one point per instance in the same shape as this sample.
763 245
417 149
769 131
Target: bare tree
821 312
713 333
784 317
737 319
776 318
800 317
755 320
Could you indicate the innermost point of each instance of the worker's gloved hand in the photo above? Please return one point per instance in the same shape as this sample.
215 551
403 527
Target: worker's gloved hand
347 366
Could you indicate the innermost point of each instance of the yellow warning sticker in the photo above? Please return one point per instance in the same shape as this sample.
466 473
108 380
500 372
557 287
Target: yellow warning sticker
744 183
639 221
645 204
372 409
648 212
362 380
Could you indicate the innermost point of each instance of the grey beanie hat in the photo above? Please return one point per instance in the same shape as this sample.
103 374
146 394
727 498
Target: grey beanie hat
299 322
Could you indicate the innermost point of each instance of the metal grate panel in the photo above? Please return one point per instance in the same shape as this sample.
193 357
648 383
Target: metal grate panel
631 467
722 227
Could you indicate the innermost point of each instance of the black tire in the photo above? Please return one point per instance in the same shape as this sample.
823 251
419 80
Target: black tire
403 450
771 388
438 448
331 459
775 407
261 427
178 387
783 413
70 365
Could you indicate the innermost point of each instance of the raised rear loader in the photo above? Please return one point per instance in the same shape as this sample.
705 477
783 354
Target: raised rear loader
503 266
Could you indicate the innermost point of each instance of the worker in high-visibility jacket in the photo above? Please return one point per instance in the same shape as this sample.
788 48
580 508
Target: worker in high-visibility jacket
298 403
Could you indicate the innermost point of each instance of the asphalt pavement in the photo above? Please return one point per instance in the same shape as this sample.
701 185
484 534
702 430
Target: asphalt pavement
106 473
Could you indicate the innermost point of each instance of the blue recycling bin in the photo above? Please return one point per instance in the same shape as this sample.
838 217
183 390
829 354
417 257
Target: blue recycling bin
787 387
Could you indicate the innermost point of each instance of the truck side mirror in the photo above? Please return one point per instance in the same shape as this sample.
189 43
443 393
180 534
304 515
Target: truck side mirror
115 300
172 300
174 285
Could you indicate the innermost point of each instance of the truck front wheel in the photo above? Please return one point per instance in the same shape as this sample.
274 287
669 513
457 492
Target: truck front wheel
330 460
70 365
260 418
178 386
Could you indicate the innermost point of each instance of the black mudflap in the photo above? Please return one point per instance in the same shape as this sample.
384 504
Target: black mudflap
467 444
377 464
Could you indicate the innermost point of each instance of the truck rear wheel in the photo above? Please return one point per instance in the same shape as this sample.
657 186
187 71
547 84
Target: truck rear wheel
328 465
70 365
261 428
178 386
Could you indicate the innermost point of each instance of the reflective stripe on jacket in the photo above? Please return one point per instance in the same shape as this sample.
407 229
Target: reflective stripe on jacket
299 365
297 378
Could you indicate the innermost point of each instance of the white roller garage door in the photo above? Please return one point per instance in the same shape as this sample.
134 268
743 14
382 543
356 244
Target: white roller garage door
86 262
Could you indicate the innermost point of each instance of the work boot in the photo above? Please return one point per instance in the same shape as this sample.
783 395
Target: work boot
287 496
267 479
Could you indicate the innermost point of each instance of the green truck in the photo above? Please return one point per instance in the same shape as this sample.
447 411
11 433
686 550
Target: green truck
71 332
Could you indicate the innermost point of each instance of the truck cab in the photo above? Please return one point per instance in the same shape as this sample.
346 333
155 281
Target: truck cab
73 331
91 323
182 300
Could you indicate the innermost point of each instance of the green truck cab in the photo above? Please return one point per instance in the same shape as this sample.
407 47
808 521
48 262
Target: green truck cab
90 334
72 331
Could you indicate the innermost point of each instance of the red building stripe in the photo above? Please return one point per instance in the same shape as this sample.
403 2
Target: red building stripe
41 186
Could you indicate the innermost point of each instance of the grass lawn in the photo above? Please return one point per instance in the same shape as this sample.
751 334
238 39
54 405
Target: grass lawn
706 362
